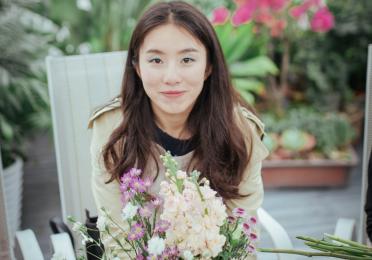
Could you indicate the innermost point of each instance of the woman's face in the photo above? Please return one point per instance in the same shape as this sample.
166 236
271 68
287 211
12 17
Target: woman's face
173 67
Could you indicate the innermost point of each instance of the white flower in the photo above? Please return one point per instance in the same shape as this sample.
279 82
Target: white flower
101 223
129 211
86 239
188 255
76 226
181 174
156 246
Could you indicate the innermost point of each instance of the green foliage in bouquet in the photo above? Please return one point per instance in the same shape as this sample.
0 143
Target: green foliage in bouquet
329 246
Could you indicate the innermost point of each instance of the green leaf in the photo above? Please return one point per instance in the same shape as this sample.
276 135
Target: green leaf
242 42
248 97
248 85
259 66
6 129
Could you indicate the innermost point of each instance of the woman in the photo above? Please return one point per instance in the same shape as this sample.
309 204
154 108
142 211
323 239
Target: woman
177 96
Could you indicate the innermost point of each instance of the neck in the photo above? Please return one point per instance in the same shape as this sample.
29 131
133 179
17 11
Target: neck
173 124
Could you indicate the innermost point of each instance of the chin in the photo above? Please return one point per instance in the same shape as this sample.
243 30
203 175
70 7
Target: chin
175 109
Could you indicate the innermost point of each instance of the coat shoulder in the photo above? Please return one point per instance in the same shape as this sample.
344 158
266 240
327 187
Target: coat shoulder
252 118
108 107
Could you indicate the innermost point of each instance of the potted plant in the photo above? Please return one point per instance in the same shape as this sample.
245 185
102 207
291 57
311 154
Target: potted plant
308 148
23 88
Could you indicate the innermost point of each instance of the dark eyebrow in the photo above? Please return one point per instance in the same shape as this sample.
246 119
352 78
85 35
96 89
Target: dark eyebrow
182 51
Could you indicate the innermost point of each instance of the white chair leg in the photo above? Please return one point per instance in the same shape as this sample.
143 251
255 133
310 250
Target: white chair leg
345 228
29 246
277 233
62 246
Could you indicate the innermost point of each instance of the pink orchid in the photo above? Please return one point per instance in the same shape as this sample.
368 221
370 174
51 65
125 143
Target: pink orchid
220 15
322 20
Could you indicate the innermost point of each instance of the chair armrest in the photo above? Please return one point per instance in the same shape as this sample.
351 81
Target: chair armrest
345 228
29 246
62 246
276 232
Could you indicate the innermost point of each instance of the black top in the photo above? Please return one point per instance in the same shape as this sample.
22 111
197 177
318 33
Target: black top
176 147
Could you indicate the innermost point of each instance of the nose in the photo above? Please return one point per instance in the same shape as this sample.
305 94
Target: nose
171 75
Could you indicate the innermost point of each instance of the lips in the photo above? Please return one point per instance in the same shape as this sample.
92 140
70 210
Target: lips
172 93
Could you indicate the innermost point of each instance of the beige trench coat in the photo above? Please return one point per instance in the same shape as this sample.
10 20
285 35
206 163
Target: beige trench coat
108 117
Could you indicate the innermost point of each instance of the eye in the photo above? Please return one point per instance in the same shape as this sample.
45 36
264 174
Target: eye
187 60
155 60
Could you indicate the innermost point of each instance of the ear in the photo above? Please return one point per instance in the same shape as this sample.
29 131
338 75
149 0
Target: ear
208 71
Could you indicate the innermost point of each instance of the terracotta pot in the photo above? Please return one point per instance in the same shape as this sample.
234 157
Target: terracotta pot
307 173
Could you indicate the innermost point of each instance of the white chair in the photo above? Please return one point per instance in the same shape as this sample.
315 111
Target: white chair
28 245
78 85
62 246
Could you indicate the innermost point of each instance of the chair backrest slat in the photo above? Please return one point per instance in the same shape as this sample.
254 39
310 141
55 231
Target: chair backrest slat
78 85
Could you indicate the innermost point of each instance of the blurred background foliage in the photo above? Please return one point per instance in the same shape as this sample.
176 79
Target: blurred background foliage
320 72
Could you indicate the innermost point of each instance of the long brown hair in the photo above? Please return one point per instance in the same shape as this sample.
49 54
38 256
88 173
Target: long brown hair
221 154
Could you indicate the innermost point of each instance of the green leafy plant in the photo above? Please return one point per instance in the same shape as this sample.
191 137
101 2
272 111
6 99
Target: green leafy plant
244 54
93 25
332 131
22 82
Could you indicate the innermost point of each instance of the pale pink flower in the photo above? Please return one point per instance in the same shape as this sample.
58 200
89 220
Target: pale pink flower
322 20
220 15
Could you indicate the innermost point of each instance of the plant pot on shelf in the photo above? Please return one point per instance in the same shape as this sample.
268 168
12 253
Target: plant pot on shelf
13 187
308 173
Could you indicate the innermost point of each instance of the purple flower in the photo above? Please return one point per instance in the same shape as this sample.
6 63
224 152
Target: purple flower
246 228
156 201
171 252
230 219
251 249
125 180
146 211
126 196
253 236
147 182
134 172
140 257
152 257
161 226
252 220
136 232
137 185
238 212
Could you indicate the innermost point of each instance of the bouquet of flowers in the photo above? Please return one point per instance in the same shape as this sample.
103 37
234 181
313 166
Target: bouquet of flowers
188 220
